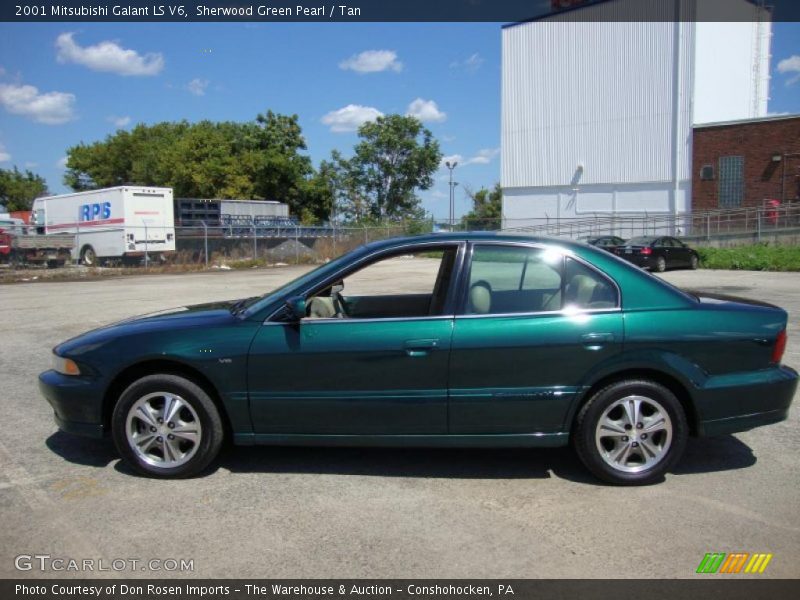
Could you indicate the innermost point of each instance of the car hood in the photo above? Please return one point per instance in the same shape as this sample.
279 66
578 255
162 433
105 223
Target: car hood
198 315
192 311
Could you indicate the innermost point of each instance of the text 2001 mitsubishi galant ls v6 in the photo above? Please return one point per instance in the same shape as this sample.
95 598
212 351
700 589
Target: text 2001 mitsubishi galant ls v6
495 340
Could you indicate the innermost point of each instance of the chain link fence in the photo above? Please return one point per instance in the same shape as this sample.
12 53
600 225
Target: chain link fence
239 244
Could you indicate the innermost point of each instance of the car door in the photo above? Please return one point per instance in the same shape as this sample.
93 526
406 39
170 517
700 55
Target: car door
681 251
533 324
368 373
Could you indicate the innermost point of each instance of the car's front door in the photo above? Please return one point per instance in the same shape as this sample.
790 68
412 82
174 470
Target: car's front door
377 368
533 326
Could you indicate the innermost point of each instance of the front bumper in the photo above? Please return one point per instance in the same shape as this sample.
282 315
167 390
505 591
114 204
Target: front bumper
77 403
743 401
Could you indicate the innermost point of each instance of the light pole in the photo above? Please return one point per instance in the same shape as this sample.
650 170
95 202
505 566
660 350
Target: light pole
453 185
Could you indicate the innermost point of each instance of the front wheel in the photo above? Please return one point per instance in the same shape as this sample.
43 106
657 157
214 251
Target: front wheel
631 432
166 426
694 262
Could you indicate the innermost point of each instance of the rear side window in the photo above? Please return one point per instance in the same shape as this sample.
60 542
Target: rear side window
585 288
514 279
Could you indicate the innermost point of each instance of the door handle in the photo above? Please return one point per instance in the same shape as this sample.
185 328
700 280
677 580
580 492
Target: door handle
420 347
595 341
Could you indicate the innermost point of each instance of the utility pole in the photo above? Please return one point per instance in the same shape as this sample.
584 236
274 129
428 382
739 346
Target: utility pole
453 185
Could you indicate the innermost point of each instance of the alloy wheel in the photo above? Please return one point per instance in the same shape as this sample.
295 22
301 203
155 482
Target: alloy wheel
634 434
163 430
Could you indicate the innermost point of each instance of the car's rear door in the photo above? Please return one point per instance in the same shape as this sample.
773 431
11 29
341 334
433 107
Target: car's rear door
533 325
681 252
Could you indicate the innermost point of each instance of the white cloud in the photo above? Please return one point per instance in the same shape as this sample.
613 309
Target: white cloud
470 64
350 118
119 121
52 108
372 61
4 156
790 65
61 163
108 56
483 157
197 86
426 111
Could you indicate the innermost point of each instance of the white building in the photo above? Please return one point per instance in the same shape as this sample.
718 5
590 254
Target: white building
597 114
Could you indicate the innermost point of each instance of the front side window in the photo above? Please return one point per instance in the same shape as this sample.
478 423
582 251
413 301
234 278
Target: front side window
516 279
412 284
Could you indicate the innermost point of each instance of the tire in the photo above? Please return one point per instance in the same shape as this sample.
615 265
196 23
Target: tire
661 265
694 262
143 441
615 452
88 256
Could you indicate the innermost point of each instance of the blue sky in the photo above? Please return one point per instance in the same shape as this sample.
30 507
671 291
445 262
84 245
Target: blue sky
80 82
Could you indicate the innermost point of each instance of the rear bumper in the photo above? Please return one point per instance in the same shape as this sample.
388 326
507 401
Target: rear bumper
640 260
77 403
743 401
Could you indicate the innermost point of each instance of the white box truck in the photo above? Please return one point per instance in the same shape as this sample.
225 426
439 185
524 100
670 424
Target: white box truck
119 224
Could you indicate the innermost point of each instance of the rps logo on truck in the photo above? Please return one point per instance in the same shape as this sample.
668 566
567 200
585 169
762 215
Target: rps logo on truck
95 212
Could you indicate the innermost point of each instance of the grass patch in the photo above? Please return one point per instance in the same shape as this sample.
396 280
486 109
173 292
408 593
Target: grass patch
759 257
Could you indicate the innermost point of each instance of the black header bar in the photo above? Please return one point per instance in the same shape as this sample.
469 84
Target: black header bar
338 11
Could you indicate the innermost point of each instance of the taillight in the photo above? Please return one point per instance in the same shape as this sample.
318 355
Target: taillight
780 347
646 251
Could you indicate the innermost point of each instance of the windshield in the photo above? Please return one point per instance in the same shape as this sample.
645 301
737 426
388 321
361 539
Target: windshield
298 283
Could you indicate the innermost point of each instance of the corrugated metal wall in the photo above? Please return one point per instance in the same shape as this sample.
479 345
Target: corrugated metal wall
254 208
597 94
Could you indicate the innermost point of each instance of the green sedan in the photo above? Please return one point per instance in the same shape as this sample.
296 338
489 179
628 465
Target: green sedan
476 339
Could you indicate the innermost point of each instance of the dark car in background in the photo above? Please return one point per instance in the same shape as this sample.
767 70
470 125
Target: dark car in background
606 242
658 253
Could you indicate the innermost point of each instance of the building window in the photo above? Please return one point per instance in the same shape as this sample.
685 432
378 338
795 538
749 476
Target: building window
707 173
731 181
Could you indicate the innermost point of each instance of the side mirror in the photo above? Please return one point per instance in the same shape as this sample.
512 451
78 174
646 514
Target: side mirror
297 307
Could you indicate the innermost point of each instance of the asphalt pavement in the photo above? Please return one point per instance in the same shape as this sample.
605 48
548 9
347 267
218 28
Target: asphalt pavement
342 512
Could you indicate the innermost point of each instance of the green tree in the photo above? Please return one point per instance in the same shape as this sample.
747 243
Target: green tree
487 208
396 157
18 190
259 159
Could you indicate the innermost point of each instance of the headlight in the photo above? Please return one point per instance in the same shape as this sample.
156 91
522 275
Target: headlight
65 366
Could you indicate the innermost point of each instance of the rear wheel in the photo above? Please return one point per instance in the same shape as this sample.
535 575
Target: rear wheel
88 256
166 426
631 432
661 264
694 262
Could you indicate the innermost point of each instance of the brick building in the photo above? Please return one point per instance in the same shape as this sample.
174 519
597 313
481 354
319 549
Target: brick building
746 163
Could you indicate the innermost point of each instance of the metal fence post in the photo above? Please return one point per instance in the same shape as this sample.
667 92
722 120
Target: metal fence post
255 243
146 250
297 244
758 229
205 242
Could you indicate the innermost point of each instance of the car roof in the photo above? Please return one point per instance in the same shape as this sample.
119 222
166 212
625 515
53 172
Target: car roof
474 236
